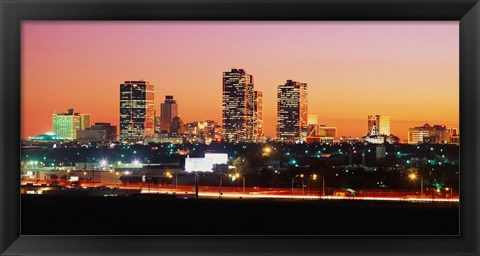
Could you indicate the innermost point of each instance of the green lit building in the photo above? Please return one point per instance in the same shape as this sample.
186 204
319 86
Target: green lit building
67 124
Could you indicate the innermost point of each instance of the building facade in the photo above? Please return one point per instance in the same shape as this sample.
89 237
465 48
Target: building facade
237 106
203 131
98 132
137 110
258 115
312 126
378 125
67 124
169 110
292 111
437 134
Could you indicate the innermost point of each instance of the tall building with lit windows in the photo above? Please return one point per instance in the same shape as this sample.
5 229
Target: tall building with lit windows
67 124
137 110
292 111
258 115
378 125
237 105
169 110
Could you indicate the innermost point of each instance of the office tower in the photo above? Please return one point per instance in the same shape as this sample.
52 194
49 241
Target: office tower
137 110
378 125
169 110
258 115
292 111
312 125
437 134
237 105
67 124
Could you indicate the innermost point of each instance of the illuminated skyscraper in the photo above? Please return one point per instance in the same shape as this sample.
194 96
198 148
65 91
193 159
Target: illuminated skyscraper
67 124
237 105
169 110
378 125
292 111
137 110
258 115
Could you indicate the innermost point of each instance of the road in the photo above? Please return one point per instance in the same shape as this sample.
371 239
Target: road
281 193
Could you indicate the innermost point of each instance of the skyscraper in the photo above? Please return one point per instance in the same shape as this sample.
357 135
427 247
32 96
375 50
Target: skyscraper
378 125
137 110
258 115
292 111
67 124
169 110
237 105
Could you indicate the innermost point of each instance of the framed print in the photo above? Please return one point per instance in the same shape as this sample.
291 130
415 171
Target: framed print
239 127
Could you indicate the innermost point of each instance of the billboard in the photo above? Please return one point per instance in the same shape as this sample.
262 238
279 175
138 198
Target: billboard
198 164
217 158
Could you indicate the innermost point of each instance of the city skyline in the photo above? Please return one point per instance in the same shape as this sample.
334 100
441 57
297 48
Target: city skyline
435 76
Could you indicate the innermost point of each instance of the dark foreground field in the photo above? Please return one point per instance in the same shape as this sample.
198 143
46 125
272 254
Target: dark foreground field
82 215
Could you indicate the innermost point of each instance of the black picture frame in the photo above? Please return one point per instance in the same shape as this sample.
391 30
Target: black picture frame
12 12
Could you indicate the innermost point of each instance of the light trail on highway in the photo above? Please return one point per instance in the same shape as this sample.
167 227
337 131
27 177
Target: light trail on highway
269 193
294 196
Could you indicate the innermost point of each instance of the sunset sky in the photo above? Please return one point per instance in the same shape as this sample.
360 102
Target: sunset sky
407 70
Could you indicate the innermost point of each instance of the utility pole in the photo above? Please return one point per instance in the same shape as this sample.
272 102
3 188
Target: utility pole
292 185
196 185
363 157
323 185
220 186
243 184
421 185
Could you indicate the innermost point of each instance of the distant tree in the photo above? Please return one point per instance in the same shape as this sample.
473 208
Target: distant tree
241 164
220 169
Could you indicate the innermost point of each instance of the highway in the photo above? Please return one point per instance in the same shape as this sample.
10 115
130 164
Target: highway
276 193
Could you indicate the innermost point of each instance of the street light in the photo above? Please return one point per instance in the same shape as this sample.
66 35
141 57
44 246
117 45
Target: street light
413 177
68 176
118 179
169 175
323 182
451 191
266 151
303 186
237 176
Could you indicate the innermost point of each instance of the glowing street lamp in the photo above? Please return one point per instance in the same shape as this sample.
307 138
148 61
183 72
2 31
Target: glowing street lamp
267 151
314 177
118 179
68 174
413 177
303 186
301 176
451 191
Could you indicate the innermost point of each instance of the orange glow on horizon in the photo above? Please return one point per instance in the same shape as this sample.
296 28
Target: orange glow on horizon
407 70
